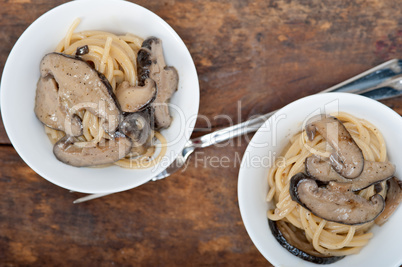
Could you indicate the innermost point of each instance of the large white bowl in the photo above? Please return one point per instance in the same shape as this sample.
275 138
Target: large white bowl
21 74
384 249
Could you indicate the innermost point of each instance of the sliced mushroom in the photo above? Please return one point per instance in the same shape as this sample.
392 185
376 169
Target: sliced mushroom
81 86
137 127
136 98
295 241
105 152
336 202
82 50
392 200
49 112
347 158
373 173
151 64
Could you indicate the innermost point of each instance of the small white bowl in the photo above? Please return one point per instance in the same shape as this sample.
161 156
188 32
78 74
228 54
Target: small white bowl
21 74
384 249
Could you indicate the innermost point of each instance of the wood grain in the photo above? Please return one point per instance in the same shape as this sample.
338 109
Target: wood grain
252 57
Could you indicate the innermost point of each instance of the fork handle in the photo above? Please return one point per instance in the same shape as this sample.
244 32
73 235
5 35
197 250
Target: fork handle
370 79
363 84
231 132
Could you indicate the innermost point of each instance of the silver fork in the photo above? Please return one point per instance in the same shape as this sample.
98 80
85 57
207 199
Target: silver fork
381 82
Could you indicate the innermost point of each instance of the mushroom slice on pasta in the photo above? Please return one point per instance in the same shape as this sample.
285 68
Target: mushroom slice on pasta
295 241
136 98
137 126
373 173
347 158
392 200
81 87
151 64
50 113
69 151
335 202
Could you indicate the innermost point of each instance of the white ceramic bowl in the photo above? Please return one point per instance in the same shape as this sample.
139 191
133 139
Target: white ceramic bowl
21 74
384 249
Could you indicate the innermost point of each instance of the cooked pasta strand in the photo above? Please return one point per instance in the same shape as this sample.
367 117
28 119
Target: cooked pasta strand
116 58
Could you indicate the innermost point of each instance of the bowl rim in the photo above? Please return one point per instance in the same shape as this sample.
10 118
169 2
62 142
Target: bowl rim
163 25
244 174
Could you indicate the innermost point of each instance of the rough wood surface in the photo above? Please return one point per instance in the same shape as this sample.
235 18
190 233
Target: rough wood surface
258 55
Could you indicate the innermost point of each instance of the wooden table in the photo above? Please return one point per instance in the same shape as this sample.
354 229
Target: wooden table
254 55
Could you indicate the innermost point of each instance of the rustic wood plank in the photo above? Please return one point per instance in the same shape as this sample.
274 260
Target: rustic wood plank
3 135
159 222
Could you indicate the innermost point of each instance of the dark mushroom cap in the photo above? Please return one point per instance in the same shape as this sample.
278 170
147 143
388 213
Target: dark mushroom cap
373 173
81 87
392 200
104 152
347 158
295 241
335 202
137 126
136 98
151 64
82 50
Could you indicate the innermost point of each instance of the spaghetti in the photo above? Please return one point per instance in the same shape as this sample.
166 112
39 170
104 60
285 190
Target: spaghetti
327 238
115 56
